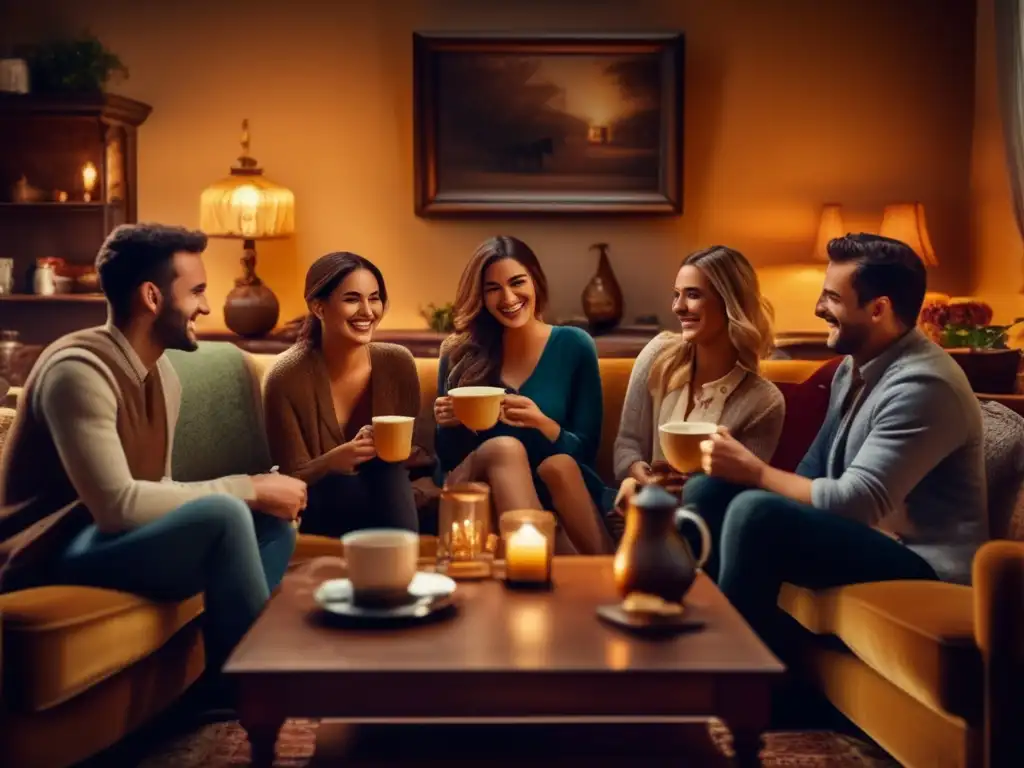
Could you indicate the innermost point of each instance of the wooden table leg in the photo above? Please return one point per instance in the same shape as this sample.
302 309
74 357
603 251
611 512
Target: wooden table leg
747 743
748 717
262 723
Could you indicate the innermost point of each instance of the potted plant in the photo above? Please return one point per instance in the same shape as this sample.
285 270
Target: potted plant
440 319
78 65
963 327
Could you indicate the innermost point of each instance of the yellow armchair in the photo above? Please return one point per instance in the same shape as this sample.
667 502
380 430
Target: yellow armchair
999 631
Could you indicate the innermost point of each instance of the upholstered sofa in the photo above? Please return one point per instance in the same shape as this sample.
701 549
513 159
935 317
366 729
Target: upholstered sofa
922 668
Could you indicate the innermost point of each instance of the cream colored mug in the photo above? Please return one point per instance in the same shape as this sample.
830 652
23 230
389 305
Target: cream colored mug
381 564
680 442
392 437
477 407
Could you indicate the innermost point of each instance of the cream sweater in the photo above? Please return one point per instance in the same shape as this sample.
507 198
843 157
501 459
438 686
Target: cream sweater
754 411
78 402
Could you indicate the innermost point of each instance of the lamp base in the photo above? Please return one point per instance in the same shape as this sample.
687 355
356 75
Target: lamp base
251 309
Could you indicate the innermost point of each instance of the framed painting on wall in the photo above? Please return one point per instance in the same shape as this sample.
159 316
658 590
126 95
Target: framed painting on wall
548 124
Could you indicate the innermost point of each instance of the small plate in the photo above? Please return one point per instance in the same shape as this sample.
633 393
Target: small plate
430 594
650 624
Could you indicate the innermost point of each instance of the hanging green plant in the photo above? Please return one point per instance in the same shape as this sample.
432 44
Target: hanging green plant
81 65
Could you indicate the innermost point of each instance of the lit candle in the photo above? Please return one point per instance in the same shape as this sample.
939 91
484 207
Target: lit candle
88 180
526 555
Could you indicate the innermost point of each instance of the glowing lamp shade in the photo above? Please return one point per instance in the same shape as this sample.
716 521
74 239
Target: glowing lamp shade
906 222
248 206
829 227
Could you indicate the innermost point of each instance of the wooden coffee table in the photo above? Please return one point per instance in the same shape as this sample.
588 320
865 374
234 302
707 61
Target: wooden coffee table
508 657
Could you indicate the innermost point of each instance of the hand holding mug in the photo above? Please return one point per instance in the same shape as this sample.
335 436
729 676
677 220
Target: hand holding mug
348 456
444 412
726 457
520 411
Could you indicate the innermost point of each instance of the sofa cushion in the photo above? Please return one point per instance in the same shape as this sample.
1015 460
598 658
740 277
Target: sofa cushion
220 427
806 406
919 635
59 641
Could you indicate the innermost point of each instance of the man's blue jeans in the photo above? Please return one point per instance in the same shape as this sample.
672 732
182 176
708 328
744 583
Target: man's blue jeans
215 545
764 540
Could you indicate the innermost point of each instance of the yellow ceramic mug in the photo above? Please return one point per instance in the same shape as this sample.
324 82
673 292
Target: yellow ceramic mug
680 442
392 437
477 407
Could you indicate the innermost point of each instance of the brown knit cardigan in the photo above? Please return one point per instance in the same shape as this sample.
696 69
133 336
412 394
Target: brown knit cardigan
299 411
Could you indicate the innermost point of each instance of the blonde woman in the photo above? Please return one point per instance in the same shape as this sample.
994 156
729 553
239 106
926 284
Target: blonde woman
708 371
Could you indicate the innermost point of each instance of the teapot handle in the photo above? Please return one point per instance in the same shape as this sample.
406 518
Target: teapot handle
684 513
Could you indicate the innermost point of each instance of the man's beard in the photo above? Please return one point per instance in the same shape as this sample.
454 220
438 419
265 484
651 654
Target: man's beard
171 329
849 339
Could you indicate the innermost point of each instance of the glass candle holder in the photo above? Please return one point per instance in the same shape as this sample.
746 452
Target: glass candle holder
528 539
465 543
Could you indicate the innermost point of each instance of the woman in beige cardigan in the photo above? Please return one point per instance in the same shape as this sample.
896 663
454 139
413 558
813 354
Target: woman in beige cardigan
321 394
706 372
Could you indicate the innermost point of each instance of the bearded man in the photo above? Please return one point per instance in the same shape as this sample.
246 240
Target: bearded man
85 475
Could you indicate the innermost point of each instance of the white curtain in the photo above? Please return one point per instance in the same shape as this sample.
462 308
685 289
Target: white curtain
1009 19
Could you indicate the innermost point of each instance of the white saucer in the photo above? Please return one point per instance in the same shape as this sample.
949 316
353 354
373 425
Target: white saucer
429 593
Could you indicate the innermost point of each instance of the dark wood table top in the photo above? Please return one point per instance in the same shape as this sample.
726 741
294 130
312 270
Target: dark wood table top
511 657
497 633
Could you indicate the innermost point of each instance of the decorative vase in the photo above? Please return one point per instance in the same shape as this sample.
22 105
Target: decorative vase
602 298
652 557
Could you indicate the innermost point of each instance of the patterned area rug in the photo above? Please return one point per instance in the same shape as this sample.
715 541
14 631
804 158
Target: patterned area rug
225 744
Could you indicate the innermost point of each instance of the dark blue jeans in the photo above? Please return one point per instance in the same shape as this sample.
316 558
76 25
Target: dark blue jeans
379 495
214 545
763 540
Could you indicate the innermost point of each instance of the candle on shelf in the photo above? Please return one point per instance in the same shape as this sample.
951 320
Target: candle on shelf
88 180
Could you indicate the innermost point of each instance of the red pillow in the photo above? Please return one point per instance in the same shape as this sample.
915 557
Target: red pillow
806 406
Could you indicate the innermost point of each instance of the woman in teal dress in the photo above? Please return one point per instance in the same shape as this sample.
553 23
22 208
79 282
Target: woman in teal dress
542 451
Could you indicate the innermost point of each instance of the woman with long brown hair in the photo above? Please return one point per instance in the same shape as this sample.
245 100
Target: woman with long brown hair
543 448
322 393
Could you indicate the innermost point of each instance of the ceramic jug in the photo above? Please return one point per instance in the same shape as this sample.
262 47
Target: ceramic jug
652 557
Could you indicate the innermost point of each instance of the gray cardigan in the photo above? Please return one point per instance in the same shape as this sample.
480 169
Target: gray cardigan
754 414
910 460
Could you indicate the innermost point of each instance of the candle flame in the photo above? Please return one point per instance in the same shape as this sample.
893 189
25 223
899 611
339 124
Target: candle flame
529 534
89 176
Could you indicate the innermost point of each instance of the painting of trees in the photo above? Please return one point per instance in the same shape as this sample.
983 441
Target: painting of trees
639 79
519 123
491 105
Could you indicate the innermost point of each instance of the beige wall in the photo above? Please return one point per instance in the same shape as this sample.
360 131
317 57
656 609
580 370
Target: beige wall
995 241
789 104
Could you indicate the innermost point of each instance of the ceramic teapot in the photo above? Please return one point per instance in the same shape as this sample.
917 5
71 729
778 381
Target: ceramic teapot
653 557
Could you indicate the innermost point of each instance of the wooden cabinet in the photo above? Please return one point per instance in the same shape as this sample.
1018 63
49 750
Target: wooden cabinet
67 178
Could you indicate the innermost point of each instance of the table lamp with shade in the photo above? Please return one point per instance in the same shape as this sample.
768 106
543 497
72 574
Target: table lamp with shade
906 222
248 206
830 226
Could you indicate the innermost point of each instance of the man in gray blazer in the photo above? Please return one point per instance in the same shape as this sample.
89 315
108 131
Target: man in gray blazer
893 487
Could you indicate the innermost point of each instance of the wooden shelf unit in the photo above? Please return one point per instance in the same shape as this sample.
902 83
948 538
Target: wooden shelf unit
48 139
